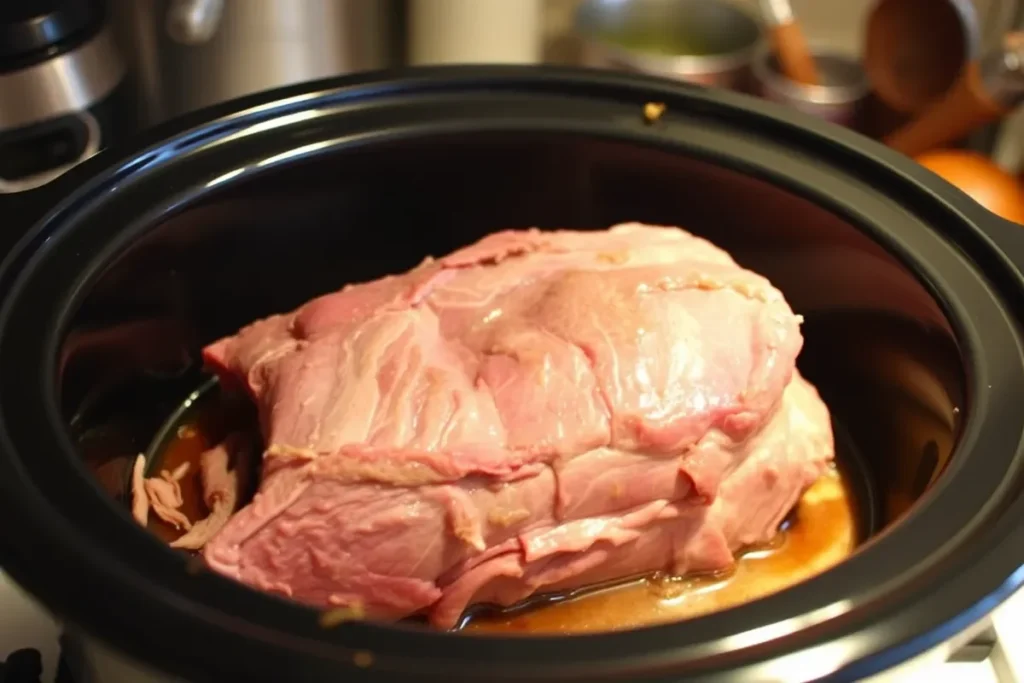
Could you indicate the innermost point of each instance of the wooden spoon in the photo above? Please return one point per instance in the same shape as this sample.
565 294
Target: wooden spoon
986 90
795 59
914 50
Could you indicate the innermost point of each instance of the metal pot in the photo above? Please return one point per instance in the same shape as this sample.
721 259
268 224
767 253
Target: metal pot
708 42
188 54
62 91
839 98
909 289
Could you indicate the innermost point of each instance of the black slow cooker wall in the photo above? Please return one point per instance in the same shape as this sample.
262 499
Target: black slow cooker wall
877 345
201 226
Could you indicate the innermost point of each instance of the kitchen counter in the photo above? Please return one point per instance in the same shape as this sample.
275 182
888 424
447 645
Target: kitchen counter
23 624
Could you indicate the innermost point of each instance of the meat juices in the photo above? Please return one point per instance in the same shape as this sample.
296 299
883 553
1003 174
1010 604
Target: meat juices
536 412
219 470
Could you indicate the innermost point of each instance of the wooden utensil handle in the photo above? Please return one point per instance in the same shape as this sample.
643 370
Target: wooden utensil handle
964 108
795 60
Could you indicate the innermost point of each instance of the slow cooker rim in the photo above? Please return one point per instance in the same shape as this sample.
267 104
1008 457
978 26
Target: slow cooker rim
7 444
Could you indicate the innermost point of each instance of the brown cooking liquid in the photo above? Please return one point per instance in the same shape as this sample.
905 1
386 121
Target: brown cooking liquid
822 531
203 430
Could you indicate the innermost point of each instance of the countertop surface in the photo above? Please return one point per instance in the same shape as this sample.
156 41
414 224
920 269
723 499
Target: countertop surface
24 624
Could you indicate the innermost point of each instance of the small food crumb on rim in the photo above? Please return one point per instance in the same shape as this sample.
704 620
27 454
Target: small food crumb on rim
653 111
339 615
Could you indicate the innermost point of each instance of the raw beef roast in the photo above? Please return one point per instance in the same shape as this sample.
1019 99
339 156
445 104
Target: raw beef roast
536 412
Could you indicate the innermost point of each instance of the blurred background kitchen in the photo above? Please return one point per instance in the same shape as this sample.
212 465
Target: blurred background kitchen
939 80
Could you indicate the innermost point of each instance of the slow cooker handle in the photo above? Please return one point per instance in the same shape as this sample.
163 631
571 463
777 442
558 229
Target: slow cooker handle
1008 236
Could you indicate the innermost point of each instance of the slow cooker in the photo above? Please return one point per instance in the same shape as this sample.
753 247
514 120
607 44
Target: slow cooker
911 295
65 94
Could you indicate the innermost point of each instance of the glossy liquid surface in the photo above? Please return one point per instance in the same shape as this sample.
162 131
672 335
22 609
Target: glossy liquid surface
820 532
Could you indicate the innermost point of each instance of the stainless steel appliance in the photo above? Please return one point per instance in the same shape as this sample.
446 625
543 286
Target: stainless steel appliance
61 89
187 54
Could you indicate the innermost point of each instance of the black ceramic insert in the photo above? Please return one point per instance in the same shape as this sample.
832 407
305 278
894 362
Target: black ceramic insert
910 293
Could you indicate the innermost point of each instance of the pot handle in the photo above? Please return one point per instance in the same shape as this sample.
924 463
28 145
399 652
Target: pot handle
1008 236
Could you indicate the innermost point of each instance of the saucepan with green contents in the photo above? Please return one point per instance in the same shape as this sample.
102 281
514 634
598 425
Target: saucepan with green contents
710 42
